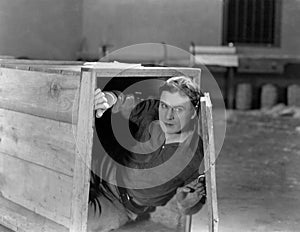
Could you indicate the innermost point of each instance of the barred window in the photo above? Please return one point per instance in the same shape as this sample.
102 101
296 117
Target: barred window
252 22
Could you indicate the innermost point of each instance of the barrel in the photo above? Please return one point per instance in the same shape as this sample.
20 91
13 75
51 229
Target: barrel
243 99
269 96
293 95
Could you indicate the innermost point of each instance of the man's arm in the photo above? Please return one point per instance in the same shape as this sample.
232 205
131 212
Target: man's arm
191 197
132 108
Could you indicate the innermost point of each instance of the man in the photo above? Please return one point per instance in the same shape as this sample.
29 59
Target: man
165 159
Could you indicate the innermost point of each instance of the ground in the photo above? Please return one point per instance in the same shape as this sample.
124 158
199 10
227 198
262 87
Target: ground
258 179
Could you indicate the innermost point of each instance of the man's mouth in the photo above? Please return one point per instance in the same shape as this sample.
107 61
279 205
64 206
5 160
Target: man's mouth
169 124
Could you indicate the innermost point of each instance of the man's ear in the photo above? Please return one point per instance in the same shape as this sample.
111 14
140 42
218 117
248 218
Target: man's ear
196 80
194 114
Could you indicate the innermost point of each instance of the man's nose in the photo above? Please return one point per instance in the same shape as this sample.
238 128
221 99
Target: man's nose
170 114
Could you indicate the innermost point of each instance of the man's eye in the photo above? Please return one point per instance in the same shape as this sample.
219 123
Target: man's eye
164 106
178 109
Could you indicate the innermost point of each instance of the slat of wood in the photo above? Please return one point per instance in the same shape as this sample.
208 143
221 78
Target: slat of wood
143 72
212 160
18 218
42 141
206 147
7 57
213 50
4 229
40 62
84 139
36 188
209 159
220 60
69 69
42 94
59 69
261 65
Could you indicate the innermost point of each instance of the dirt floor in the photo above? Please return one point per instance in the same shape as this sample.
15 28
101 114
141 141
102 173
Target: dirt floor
258 178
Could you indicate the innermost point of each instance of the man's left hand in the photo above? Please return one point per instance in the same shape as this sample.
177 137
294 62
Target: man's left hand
191 197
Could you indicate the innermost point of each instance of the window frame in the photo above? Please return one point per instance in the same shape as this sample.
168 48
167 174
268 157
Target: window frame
277 29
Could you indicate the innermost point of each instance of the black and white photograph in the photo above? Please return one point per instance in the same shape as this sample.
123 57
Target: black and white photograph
149 116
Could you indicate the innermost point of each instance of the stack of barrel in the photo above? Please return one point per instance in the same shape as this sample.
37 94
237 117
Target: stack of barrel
269 96
293 95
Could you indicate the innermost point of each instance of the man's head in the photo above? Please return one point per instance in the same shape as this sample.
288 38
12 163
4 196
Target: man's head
179 104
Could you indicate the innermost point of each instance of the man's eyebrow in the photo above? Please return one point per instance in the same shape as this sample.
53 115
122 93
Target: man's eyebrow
175 106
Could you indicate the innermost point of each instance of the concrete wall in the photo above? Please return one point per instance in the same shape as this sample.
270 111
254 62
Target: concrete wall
40 29
53 29
176 22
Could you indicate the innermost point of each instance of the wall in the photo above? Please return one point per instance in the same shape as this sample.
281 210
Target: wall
53 29
289 29
176 22
40 29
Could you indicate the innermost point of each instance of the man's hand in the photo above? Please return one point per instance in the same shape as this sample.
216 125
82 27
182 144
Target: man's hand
191 197
103 101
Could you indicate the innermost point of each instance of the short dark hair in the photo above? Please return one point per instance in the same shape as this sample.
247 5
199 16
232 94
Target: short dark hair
183 84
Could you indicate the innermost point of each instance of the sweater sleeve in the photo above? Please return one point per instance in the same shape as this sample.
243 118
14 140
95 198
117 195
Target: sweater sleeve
140 112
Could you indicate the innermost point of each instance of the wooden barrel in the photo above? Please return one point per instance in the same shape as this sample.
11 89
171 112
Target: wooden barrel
293 95
269 96
243 99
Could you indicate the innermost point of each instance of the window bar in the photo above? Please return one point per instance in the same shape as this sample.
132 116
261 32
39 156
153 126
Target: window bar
245 21
270 22
253 18
262 22
236 21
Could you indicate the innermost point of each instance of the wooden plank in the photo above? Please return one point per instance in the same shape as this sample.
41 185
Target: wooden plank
205 138
36 188
38 140
212 160
261 65
188 223
212 50
143 72
209 160
41 94
218 60
18 218
4 229
40 62
84 139
6 57
65 70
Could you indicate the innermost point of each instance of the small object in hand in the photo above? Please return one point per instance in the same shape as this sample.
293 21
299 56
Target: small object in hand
111 98
201 178
189 189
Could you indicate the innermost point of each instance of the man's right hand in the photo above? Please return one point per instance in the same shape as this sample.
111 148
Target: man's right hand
103 101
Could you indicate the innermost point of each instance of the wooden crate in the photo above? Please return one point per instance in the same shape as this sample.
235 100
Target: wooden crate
43 180
46 139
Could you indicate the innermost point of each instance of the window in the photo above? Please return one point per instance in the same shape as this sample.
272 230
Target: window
252 22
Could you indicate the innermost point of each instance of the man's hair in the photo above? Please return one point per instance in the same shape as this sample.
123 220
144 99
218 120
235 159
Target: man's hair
183 84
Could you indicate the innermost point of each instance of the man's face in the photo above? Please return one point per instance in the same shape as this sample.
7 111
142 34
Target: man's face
175 112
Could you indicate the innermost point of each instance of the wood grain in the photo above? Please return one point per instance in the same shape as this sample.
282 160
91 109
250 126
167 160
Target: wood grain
84 141
36 188
212 50
18 218
209 161
38 62
222 60
42 94
45 142
142 72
